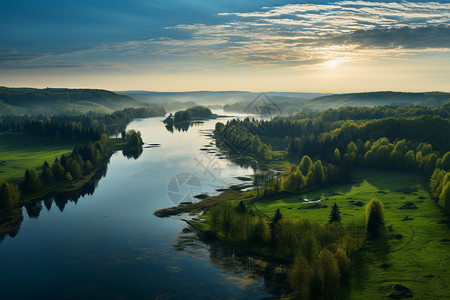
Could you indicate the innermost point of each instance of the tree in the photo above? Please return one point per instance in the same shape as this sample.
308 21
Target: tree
318 174
444 197
328 273
9 195
32 181
261 231
343 262
47 176
276 218
295 182
375 218
335 214
58 171
300 276
75 169
336 156
305 164
445 162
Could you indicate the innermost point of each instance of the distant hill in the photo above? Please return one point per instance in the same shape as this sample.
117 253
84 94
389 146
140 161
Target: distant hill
172 101
428 99
29 100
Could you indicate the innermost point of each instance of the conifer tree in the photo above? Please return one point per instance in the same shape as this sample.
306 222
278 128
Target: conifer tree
335 214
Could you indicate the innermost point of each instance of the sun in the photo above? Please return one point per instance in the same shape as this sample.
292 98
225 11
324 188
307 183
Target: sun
334 62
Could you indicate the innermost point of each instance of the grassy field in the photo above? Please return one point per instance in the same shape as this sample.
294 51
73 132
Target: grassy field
19 151
418 259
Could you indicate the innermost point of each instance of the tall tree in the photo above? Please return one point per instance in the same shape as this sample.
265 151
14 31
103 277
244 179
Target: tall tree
335 214
375 218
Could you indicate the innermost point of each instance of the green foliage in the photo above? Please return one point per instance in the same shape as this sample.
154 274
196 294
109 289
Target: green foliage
306 164
444 197
197 112
47 176
375 219
32 181
318 174
445 162
58 171
9 195
232 224
335 214
300 276
134 138
328 274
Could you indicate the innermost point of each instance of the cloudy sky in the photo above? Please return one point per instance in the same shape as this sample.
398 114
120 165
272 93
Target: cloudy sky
177 45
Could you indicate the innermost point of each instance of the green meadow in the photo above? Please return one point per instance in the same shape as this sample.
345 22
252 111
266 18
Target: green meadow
20 151
418 244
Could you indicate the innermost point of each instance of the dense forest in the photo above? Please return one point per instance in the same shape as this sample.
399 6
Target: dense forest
77 127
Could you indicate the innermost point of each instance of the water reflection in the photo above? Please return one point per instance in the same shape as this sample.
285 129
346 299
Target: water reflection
11 219
238 264
182 126
132 153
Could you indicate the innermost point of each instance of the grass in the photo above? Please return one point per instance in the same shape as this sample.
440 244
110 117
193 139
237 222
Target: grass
20 151
419 260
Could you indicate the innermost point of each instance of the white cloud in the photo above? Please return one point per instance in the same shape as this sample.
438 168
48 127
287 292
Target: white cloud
305 34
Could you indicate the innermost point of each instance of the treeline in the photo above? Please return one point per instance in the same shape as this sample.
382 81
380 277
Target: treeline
80 127
320 252
236 137
83 160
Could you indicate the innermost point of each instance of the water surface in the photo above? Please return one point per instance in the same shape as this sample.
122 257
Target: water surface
109 245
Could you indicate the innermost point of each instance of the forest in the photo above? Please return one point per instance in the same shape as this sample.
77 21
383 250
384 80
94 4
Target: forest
309 153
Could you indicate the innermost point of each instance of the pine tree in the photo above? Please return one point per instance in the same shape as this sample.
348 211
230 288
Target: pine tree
276 218
335 214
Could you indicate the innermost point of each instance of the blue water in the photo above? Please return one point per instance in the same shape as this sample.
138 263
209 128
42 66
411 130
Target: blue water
109 245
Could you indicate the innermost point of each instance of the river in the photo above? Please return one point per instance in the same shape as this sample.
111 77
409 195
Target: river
109 245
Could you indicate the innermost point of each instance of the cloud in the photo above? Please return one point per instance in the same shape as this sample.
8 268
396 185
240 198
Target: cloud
299 35
406 38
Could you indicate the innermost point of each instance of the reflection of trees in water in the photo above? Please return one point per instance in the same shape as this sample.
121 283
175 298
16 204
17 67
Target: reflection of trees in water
182 126
241 265
11 219
132 153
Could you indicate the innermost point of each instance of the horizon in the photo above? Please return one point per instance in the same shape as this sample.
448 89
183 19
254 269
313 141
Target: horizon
284 46
228 91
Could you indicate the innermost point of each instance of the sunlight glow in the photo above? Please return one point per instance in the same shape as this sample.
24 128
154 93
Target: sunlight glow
334 62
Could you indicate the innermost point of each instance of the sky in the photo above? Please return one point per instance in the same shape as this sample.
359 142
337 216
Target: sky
259 46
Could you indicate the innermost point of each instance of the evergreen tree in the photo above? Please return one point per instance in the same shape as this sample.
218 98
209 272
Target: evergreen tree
335 214
276 218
